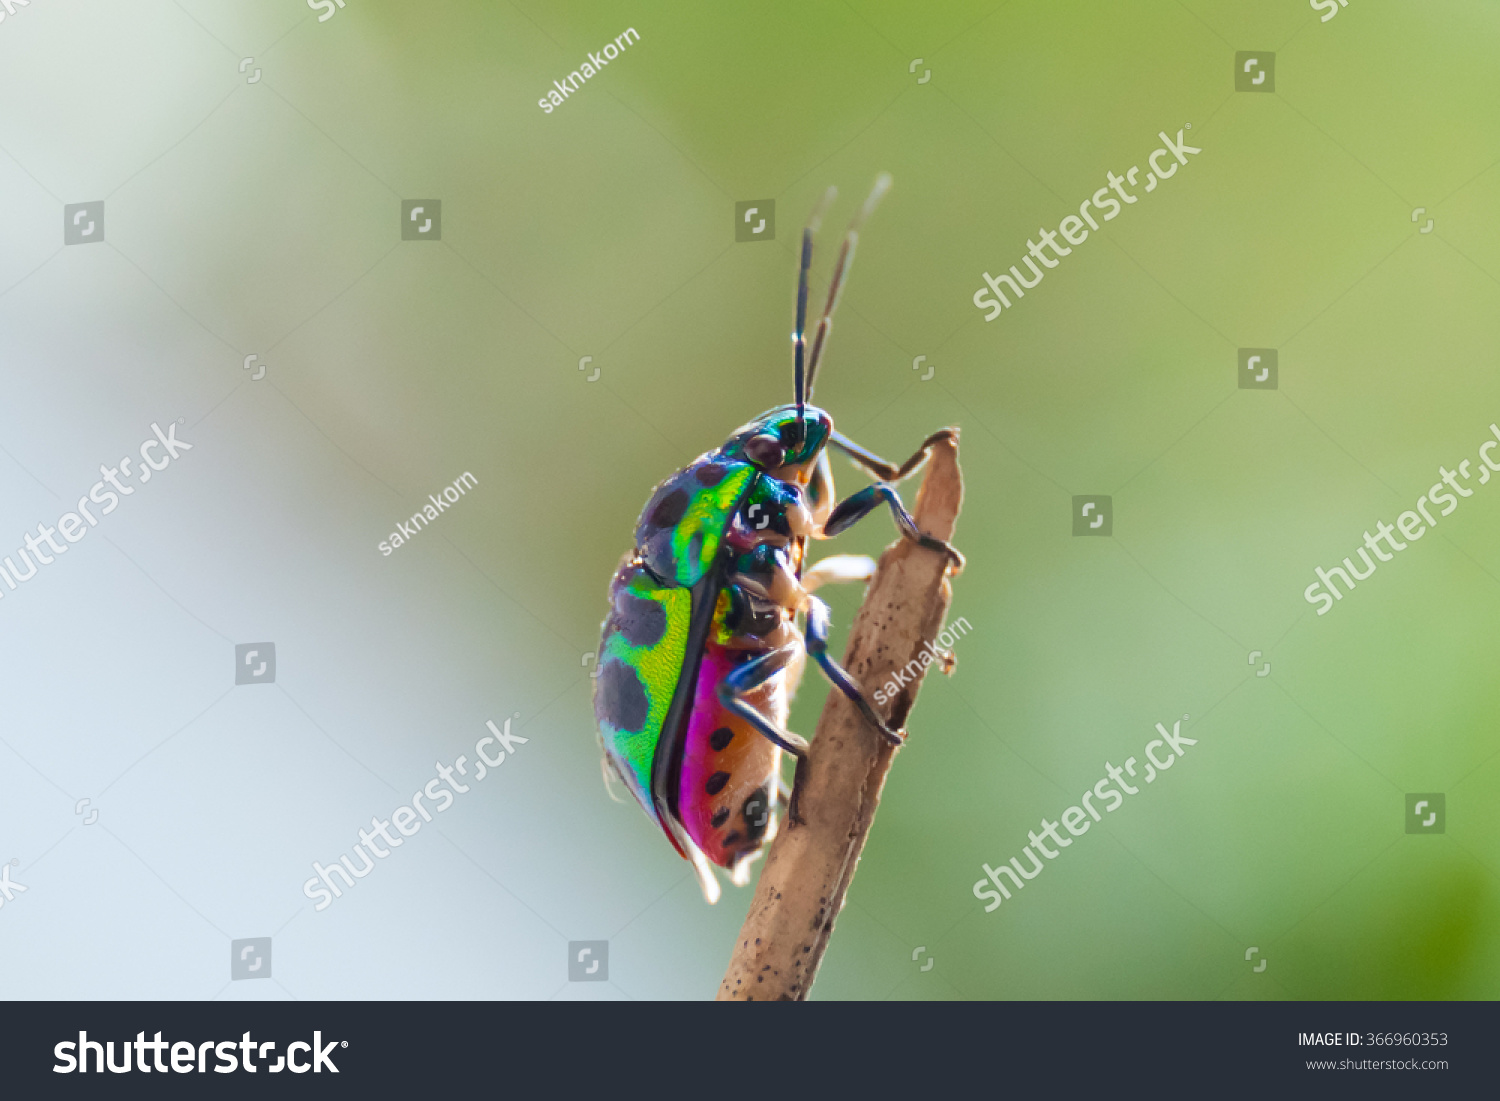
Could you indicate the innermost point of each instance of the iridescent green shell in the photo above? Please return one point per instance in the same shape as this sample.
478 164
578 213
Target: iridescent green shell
641 660
683 524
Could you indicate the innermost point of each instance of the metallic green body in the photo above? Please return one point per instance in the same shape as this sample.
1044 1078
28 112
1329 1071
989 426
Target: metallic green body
659 667
679 539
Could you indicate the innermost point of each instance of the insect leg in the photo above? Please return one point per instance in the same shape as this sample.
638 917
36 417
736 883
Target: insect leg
786 794
838 567
751 675
817 646
819 492
606 767
887 471
857 506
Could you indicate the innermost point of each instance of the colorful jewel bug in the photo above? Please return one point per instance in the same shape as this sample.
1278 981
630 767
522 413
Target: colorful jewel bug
701 651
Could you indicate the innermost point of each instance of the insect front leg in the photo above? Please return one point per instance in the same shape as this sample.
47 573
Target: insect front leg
887 471
819 492
838 568
856 507
764 571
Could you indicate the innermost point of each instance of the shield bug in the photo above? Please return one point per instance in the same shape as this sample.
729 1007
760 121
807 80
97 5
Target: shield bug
701 649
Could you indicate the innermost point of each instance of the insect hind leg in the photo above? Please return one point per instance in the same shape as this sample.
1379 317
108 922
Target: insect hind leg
818 621
745 679
607 768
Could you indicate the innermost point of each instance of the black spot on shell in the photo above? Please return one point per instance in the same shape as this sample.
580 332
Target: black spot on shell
695 547
711 474
621 698
715 783
642 622
732 837
669 510
721 738
656 549
720 817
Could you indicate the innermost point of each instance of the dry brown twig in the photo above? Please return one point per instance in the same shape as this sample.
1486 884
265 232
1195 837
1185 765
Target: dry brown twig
810 865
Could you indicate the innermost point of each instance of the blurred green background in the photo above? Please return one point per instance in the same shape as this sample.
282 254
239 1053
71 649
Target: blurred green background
263 218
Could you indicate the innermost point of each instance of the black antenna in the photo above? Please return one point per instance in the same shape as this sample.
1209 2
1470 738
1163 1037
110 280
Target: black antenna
846 255
799 343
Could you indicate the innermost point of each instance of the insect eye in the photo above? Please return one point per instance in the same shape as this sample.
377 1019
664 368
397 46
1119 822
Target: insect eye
765 451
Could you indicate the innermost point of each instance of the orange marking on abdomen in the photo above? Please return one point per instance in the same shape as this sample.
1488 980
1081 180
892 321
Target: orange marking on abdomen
721 771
